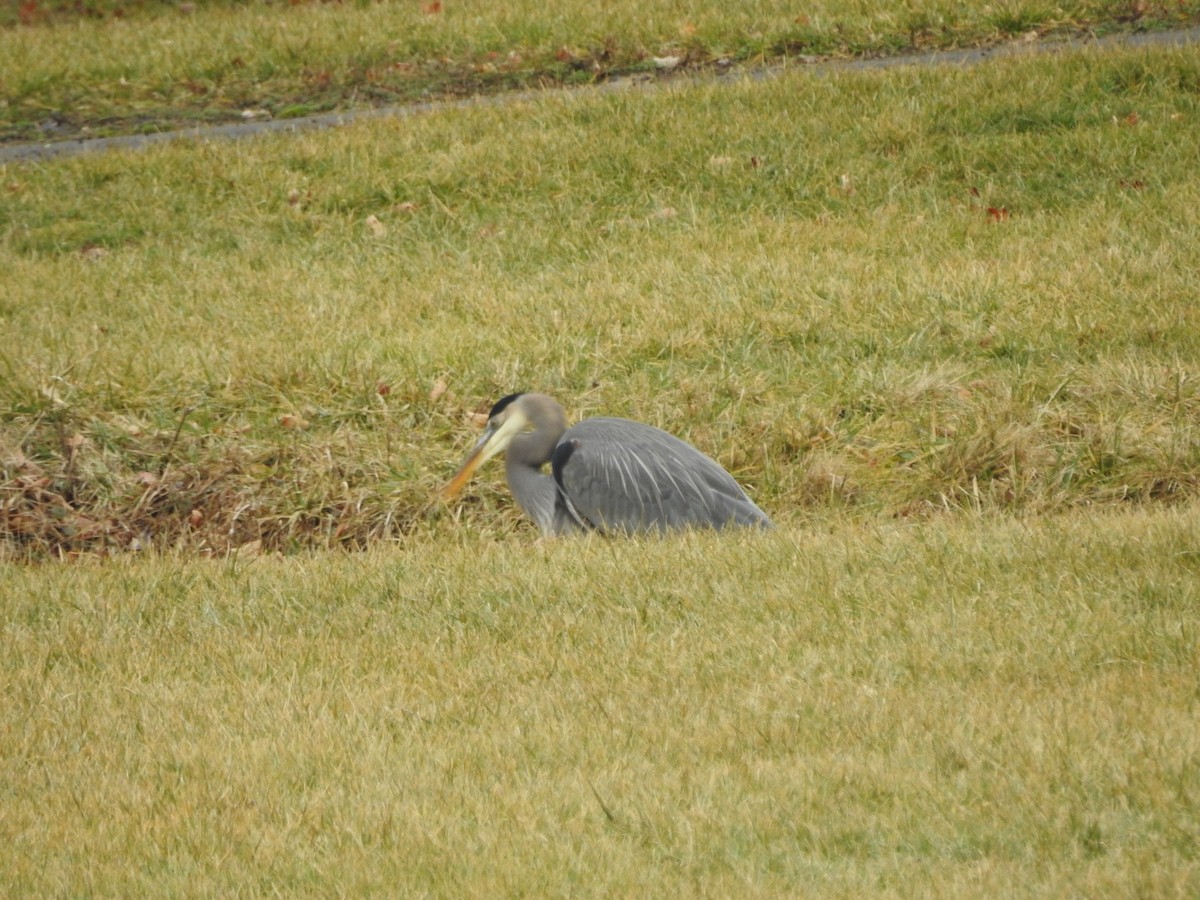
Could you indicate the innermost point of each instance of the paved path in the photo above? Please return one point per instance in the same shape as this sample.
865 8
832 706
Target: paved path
35 152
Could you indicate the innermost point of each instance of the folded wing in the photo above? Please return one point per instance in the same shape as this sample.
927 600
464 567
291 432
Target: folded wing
615 475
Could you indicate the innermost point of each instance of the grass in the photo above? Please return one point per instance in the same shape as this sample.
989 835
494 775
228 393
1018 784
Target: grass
942 324
963 707
108 67
975 293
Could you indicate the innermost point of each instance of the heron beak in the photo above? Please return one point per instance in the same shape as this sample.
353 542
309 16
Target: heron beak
496 438
479 454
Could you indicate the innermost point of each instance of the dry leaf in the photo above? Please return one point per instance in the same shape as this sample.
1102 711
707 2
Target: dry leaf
149 479
28 12
667 212
383 389
432 9
195 517
439 387
290 421
377 228
997 213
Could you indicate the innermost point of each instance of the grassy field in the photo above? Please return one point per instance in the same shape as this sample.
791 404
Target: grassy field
99 67
975 291
941 323
967 707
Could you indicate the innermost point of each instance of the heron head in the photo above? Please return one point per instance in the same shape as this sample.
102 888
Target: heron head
507 419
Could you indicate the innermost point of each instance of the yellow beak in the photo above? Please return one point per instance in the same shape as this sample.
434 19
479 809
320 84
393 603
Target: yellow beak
479 454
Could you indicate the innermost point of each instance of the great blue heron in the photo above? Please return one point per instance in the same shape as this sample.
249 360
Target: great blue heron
607 475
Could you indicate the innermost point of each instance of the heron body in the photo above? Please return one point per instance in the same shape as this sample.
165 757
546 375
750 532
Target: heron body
607 475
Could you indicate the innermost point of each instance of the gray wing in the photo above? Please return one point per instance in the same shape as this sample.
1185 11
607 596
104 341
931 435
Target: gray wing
614 475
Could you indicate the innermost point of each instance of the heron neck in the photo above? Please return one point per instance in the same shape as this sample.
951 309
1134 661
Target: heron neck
533 491
528 452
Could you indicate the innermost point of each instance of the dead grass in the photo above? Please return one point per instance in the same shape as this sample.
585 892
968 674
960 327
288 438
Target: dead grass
876 297
962 707
268 343
161 66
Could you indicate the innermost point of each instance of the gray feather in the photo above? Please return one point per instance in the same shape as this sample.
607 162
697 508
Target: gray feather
624 476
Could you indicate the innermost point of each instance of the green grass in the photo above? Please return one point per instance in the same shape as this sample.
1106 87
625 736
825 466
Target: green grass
135 67
968 707
941 323
974 292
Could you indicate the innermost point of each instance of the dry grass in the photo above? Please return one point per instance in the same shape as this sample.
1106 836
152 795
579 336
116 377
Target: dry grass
942 324
974 293
963 708
210 62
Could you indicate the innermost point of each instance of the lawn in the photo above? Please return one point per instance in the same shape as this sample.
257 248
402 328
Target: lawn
963 707
97 67
940 322
895 292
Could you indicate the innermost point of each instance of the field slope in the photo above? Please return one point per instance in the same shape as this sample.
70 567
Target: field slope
940 322
893 292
